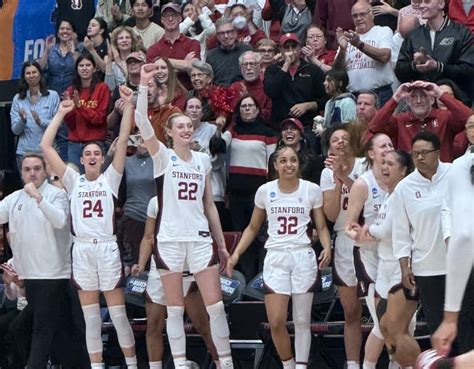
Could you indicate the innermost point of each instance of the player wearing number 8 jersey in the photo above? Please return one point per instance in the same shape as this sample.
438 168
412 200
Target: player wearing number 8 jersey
186 213
96 259
290 267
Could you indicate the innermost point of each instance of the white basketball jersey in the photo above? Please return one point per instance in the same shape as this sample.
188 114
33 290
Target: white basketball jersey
328 183
383 227
92 203
180 191
288 214
375 198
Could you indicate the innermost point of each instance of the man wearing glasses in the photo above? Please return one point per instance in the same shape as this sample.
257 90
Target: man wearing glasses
417 234
365 53
179 49
420 97
224 59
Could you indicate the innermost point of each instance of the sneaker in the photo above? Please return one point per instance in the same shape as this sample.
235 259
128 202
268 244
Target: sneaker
429 359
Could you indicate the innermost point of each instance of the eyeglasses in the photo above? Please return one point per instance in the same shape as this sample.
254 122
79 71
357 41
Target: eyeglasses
170 15
263 51
247 106
248 64
311 37
423 153
361 14
197 75
225 33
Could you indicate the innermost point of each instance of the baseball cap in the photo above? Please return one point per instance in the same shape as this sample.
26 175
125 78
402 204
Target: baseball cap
137 55
171 6
295 122
289 36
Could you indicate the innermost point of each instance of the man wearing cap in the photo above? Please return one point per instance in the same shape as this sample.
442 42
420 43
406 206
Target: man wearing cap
148 31
179 49
134 63
366 54
420 96
295 86
224 59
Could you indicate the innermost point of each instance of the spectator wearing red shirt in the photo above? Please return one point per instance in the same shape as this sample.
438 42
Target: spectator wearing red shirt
462 12
315 50
247 32
334 14
87 122
179 49
420 96
252 84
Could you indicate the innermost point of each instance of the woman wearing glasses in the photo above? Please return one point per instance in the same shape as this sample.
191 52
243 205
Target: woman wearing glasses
315 50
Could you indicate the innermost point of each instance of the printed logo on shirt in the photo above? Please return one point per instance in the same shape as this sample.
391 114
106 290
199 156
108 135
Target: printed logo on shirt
374 193
447 41
19 207
434 123
418 194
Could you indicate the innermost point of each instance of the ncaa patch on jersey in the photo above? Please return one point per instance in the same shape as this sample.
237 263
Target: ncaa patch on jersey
272 194
174 158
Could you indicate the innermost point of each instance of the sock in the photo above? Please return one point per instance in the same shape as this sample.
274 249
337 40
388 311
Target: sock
226 362
131 362
289 364
97 365
155 364
301 365
369 365
179 362
353 365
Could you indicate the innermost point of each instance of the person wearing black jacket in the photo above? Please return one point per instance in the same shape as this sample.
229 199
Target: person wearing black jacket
450 55
295 86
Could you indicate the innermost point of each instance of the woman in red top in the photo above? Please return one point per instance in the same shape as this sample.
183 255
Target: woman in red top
87 122
315 50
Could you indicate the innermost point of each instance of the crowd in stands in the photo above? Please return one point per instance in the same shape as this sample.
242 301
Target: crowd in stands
252 76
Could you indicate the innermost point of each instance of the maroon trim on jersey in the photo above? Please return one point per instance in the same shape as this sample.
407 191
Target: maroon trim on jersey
336 279
406 292
247 170
315 284
267 289
214 257
114 220
159 182
71 223
119 283
363 278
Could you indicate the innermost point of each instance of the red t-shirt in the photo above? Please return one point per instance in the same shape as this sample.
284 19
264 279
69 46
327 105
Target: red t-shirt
89 121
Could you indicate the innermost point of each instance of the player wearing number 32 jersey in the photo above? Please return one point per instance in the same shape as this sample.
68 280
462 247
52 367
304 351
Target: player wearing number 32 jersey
290 268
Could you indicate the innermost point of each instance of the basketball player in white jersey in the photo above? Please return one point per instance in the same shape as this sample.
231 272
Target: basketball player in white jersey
155 298
458 231
342 169
290 267
366 197
186 213
96 259
388 285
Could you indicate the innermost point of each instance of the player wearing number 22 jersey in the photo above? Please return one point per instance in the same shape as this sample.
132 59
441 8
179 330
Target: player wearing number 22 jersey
183 228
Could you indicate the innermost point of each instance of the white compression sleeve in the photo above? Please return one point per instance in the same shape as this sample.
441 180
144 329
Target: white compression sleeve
141 114
301 306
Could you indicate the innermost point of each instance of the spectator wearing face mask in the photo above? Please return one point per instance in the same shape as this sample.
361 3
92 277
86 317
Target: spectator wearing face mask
246 30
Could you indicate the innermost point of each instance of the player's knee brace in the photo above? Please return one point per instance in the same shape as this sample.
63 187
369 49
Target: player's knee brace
93 322
219 328
175 330
122 326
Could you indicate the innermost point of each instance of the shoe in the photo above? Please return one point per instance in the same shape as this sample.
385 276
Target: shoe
429 359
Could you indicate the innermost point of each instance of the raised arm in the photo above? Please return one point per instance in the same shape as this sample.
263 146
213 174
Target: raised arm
141 113
47 142
125 127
